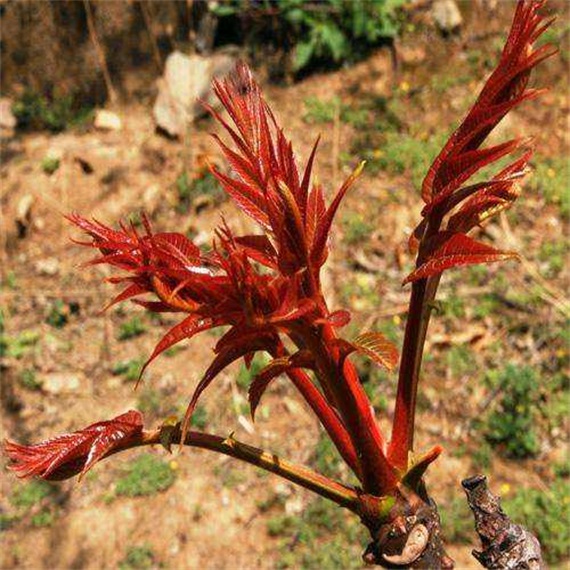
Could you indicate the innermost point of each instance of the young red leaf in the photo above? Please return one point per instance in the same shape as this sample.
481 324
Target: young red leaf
377 347
372 344
301 359
223 359
67 455
504 90
337 319
318 250
189 327
452 250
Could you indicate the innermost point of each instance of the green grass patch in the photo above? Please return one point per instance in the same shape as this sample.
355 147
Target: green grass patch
199 418
37 112
245 376
511 425
129 369
138 558
355 228
146 475
554 254
189 189
28 379
59 312
20 345
545 513
33 502
50 164
323 536
461 361
31 494
131 329
403 153
457 521
550 179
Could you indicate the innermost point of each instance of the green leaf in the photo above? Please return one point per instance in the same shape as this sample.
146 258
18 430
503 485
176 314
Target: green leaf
335 41
304 52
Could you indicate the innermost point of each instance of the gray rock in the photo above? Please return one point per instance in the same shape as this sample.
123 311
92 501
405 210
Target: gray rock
446 15
107 121
48 266
186 80
7 119
24 214
61 383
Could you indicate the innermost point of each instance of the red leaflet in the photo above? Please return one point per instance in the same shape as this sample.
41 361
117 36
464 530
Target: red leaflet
462 157
301 359
504 90
374 345
67 455
186 329
266 183
448 249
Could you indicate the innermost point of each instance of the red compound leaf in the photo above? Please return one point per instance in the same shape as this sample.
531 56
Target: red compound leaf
504 90
75 453
448 249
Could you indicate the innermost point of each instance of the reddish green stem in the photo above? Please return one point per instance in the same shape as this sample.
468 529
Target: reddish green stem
328 418
340 494
354 407
402 442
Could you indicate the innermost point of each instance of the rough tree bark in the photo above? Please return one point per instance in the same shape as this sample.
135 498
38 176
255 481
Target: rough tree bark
506 545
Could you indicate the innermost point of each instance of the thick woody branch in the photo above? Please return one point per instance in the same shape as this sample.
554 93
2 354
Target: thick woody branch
506 545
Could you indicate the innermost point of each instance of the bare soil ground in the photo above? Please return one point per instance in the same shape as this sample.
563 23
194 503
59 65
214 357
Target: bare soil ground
218 514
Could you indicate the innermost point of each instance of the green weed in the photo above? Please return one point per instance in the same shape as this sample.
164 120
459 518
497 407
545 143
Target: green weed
546 514
356 228
7 521
129 369
199 418
460 361
360 292
20 345
58 315
443 83
245 376
189 189
554 254
131 329
146 475
33 496
323 536
550 178
35 111
50 164
486 305
482 456
138 558
326 459
511 424
28 495
404 153
457 521
318 111
10 281
453 307
43 518
29 380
